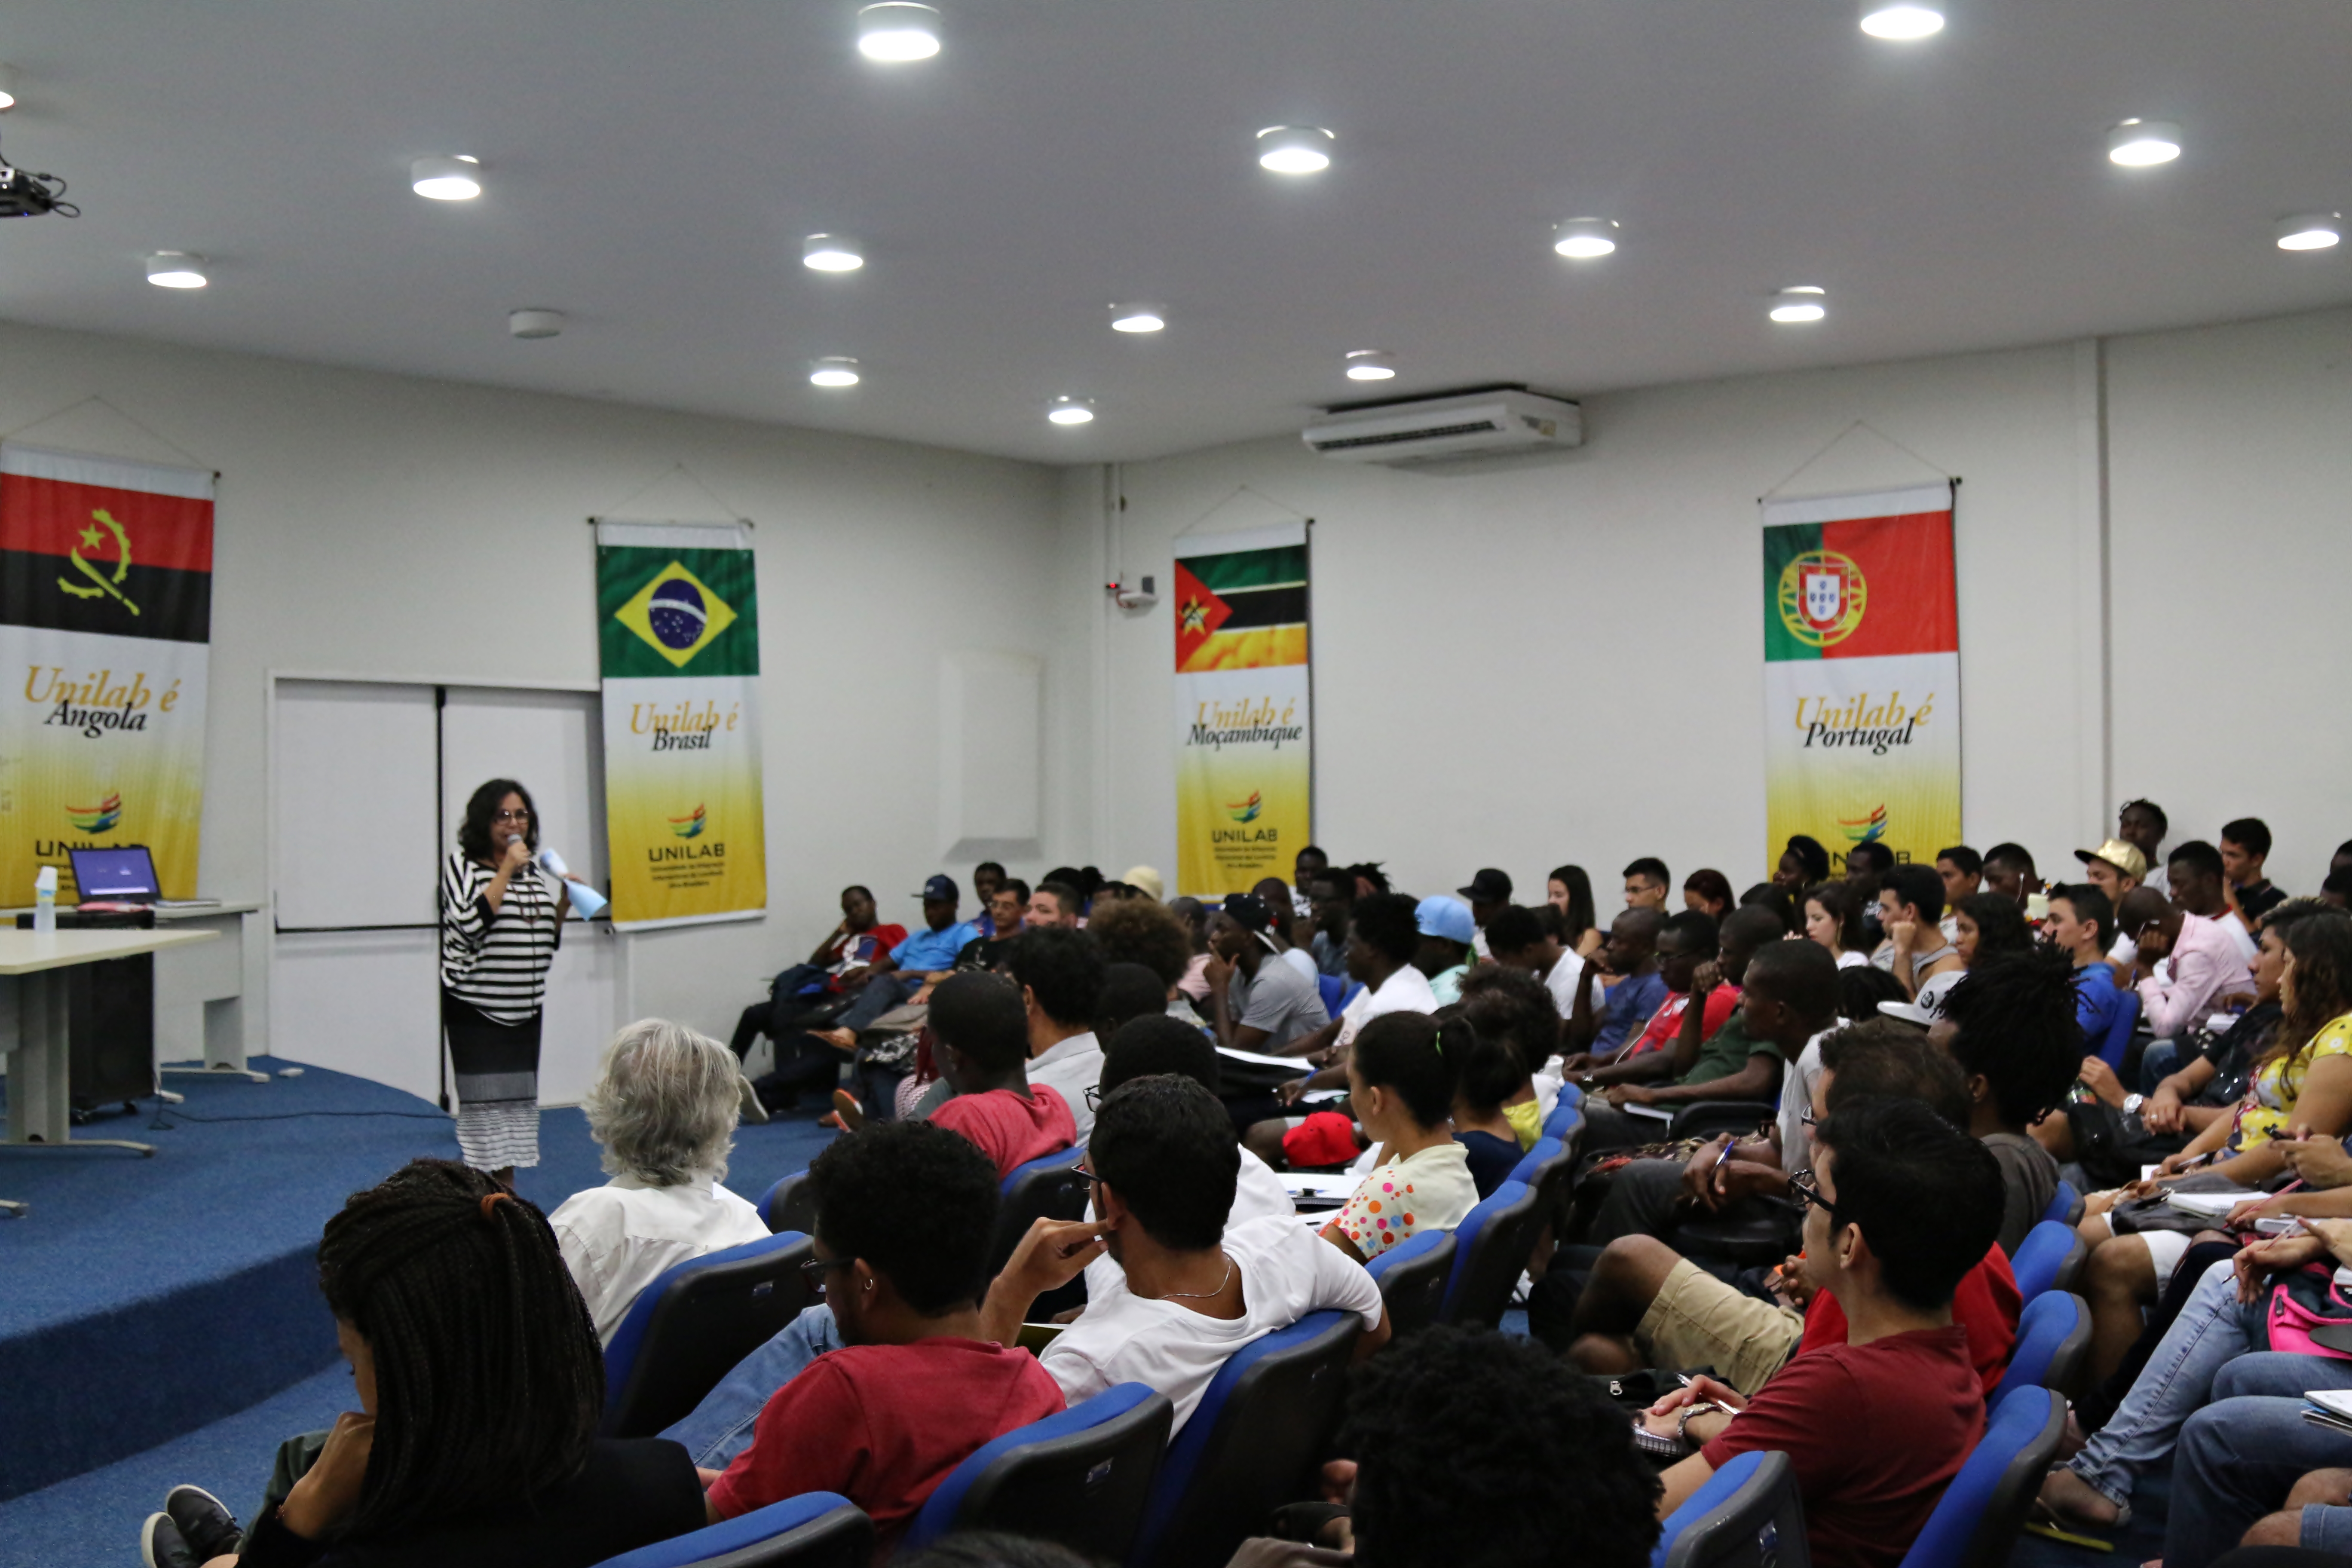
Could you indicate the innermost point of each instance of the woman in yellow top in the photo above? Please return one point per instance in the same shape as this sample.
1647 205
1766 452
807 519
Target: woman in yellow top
2303 1081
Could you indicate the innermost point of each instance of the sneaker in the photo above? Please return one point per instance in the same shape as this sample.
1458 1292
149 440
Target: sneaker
831 1118
747 1101
208 1526
845 1105
162 1545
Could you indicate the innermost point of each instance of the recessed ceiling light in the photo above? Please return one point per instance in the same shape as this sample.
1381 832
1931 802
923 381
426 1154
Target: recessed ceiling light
1802 302
2311 231
7 87
897 31
446 179
176 269
1294 149
1370 364
1138 318
535 323
831 253
834 370
2144 143
1582 239
1071 410
1903 21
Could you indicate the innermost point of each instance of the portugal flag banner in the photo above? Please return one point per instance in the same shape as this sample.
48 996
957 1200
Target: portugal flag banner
106 602
1245 757
1862 672
678 640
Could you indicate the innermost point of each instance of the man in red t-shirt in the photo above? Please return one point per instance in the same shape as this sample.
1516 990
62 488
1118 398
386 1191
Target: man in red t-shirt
979 1032
1899 1205
905 1211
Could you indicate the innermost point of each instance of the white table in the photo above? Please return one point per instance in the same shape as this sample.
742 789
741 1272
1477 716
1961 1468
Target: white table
201 993
33 1028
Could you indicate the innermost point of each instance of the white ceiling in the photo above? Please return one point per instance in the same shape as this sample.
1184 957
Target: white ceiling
653 164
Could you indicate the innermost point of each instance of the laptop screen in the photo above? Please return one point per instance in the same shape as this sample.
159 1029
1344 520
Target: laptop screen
126 873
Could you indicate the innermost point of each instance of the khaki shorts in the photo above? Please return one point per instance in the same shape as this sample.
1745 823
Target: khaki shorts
1698 1320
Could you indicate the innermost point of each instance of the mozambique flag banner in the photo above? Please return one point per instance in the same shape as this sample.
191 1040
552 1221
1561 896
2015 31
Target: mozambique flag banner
678 643
1862 672
1244 754
106 573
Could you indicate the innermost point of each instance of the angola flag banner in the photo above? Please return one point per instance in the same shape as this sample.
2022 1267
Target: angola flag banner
106 599
1862 672
1244 752
679 641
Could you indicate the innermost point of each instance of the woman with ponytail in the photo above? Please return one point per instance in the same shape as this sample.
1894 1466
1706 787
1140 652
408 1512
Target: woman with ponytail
480 1385
1401 1079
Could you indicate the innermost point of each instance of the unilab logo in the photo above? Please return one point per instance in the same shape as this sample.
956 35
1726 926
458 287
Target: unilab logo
1247 810
676 614
96 818
1867 829
100 583
1821 597
691 824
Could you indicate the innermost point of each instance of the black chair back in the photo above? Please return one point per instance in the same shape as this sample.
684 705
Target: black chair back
1413 1285
1047 1188
693 1324
1085 1489
1498 1255
1760 1525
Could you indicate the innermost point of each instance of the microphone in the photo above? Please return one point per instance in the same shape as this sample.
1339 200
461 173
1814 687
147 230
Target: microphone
585 899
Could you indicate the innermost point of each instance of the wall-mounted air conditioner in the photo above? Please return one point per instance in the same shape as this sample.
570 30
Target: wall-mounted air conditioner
1470 425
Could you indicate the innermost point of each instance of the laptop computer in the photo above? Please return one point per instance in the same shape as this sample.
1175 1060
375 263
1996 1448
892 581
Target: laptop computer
126 875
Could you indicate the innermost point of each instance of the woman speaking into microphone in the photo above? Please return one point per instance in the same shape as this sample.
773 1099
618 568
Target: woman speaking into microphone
501 922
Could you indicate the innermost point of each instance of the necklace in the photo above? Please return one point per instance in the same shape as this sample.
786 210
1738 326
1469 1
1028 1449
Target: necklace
1197 1295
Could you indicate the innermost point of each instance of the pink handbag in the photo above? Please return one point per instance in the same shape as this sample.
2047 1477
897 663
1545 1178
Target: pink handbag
2310 1315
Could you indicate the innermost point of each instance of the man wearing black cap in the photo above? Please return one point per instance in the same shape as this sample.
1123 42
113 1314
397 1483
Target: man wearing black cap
898 976
1489 893
1257 1001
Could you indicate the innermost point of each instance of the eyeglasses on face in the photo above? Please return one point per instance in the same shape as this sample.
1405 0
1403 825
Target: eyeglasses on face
1809 1195
513 817
814 1271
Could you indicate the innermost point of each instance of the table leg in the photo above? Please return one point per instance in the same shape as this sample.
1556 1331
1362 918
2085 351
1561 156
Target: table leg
40 1068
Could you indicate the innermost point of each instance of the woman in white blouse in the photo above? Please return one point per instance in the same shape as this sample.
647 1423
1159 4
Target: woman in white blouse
664 1107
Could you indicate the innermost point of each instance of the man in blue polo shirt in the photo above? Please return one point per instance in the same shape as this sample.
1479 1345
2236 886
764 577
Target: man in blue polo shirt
910 969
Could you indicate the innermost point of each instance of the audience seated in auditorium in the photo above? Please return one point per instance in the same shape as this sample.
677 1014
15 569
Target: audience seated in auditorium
1834 919
1910 910
1487 1073
841 964
1282 924
1306 865
2082 925
1446 936
481 1387
1130 991
1646 1306
2245 845
1803 863
1060 973
1256 1002
1400 1085
2009 871
1383 939
979 1030
1147 1046
1627 966
905 1211
1193 915
2143 824
2206 947
1488 894
1007 901
1515 1004
1962 870
2115 868
2010 1023
1780 901
1330 895
1519 941
1985 925
1646 881
902 974
1898 1209
1186 1290
1568 890
1707 891
1139 930
663 1110
1687 940
1054 903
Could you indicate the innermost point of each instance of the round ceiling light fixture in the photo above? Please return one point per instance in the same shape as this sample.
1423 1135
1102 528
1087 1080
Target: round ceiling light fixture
1071 411
534 322
1801 302
1582 239
458 179
1902 21
834 370
2144 143
2311 231
176 269
7 87
897 31
831 253
1370 364
1139 318
1294 149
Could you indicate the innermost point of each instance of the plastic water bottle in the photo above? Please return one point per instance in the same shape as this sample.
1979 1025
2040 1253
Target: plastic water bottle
45 900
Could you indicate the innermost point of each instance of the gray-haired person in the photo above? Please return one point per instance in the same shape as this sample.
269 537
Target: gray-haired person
663 1108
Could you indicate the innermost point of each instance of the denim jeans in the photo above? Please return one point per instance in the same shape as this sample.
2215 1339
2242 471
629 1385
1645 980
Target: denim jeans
2212 1331
2240 1455
881 993
2159 1062
720 1426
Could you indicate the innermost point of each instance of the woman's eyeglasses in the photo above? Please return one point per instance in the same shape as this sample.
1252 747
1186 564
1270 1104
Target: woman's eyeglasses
513 817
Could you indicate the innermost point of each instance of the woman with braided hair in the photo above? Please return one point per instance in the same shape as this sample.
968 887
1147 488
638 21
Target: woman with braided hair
480 1385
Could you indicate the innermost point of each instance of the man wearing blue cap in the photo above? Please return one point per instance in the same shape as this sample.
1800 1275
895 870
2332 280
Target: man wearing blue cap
1447 932
924 958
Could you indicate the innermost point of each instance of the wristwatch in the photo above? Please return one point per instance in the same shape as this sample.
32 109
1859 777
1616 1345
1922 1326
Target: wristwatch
2132 1102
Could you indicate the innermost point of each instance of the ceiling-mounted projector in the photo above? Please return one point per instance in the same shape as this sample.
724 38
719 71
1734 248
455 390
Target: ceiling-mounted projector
24 193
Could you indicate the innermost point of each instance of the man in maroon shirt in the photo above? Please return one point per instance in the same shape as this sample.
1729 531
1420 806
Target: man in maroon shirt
1899 1207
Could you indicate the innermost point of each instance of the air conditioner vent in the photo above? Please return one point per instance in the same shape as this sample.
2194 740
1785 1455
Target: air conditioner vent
1485 424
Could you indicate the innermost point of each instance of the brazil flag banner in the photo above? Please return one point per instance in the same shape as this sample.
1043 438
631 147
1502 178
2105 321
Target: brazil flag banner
1862 672
678 635
106 605
1245 756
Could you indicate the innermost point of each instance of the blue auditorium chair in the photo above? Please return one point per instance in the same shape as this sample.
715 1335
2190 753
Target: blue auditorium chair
1532 1162
2118 1041
1413 1278
1984 1507
688 1329
1048 1187
1491 1246
1333 987
2053 1343
1255 1442
2049 1258
814 1529
2065 1204
1566 1112
1747 1515
788 1205
1082 1478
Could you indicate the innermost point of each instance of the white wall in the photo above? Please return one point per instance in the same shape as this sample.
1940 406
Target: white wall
398 528
1561 662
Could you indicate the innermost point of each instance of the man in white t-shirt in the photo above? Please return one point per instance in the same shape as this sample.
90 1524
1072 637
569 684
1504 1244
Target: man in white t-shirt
1384 937
1060 973
1520 941
1187 1290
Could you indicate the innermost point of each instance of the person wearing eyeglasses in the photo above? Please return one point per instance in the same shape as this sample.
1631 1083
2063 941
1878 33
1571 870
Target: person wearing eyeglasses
501 922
